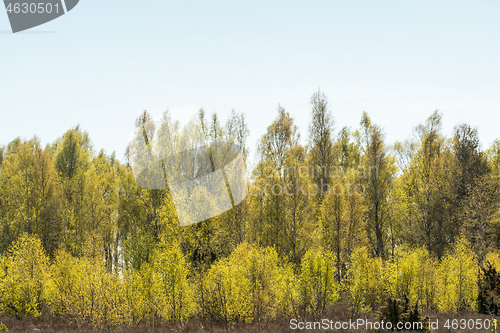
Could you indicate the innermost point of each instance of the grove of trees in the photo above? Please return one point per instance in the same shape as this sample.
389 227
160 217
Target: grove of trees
340 216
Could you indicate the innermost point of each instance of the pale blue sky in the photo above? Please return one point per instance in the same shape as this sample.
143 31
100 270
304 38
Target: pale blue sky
109 60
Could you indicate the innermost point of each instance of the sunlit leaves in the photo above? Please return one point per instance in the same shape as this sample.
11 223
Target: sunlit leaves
24 274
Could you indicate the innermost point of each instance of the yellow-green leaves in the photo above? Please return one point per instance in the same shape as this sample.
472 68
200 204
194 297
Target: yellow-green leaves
28 195
227 293
83 289
458 273
318 288
412 273
367 281
175 291
24 274
251 285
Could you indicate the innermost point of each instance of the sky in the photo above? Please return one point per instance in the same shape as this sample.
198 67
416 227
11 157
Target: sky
103 63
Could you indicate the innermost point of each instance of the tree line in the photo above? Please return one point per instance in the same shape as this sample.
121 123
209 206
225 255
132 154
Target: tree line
342 215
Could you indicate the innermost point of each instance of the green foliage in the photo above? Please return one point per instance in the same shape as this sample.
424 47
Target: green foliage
380 170
367 281
226 293
83 289
142 295
119 255
29 195
457 283
3 328
175 291
23 277
282 205
413 274
321 141
250 285
286 291
493 258
318 286
488 298
341 217
401 310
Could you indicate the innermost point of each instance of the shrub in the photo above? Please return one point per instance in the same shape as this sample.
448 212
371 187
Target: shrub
251 285
226 293
400 310
366 281
458 279
23 276
318 288
412 274
83 289
176 294
488 299
143 295
286 291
